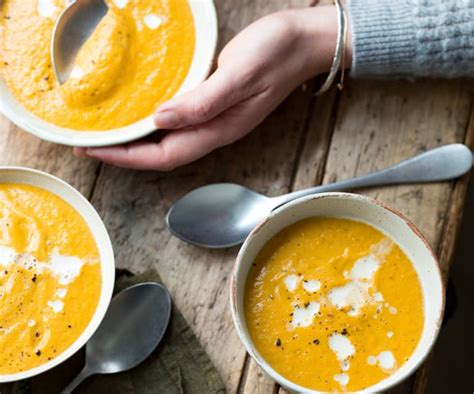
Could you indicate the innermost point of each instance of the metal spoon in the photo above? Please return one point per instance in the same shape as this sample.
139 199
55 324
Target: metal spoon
72 29
132 328
223 214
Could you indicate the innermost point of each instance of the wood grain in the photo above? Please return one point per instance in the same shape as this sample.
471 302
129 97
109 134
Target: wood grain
256 381
18 148
447 245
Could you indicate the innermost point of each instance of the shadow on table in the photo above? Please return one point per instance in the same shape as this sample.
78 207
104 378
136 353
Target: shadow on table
453 365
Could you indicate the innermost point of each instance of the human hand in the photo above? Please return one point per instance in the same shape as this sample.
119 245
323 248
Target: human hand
256 71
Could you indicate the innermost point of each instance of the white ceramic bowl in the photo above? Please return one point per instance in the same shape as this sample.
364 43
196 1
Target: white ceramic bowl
84 208
363 209
205 22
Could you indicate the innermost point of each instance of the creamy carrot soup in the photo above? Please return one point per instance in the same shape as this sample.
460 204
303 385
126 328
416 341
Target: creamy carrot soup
333 305
50 280
138 57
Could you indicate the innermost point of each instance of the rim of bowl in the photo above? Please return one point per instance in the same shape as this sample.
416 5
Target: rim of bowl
107 262
206 29
240 324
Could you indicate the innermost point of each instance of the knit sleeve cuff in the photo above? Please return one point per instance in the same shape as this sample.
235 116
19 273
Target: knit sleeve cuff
383 38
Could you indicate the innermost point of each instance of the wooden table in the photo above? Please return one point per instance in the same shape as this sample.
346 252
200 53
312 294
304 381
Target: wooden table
305 142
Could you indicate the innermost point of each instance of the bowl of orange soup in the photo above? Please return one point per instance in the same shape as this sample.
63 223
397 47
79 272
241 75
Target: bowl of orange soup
56 272
141 54
337 293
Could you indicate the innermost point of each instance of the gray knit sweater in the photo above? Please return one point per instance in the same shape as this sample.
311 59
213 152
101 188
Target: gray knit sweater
412 38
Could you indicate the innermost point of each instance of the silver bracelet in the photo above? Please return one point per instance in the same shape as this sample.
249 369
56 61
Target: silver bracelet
339 54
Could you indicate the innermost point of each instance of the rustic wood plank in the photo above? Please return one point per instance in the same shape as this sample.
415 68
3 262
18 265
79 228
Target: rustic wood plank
315 146
447 247
258 382
18 148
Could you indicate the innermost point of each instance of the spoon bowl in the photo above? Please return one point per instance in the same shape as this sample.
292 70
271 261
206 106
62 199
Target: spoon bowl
131 330
218 215
72 29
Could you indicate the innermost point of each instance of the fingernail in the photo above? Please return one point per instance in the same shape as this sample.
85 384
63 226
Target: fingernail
166 119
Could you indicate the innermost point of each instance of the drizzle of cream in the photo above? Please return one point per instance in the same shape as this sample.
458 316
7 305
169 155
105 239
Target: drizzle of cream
291 282
378 296
345 365
61 293
7 255
153 21
303 317
341 346
353 294
385 360
365 269
65 268
356 293
56 305
46 8
343 349
311 286
342 378
120 3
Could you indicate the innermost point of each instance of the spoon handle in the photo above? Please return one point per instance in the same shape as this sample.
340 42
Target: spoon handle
83 375
440 164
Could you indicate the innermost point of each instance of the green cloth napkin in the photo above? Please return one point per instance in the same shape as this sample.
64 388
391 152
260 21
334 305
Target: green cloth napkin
179 364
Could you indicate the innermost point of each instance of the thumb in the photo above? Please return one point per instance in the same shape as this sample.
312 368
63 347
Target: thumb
209 99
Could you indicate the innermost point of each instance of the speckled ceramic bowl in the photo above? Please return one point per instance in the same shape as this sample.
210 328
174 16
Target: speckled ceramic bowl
87 212
360 208
205 22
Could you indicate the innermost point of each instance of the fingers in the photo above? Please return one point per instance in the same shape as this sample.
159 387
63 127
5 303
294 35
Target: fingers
175 149
186 145
222 90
